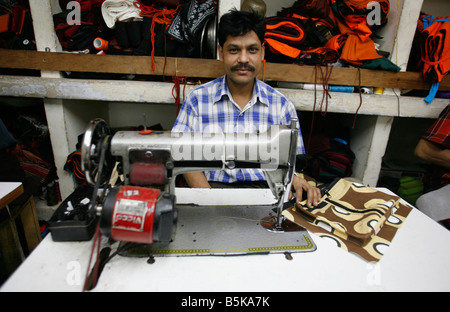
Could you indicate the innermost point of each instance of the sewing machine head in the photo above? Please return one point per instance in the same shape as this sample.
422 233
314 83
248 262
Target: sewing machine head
153 159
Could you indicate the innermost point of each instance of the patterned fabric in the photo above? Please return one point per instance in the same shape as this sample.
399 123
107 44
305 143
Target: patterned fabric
210 109
357 218
32 164
189 20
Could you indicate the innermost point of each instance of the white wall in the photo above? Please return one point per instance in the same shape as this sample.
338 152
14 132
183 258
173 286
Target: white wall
436 7
132 114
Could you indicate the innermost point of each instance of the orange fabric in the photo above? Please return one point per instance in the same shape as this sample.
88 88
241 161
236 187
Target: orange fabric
436 50
282 48
356 24
355 50
300 33
354 40
349 19
362 4
300 16
284 36
336 42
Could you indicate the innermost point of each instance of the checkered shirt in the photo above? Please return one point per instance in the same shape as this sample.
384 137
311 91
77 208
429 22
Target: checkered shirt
439 133
210 108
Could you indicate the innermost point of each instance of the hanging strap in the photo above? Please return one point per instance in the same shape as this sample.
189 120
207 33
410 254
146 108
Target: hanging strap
428 20
433 91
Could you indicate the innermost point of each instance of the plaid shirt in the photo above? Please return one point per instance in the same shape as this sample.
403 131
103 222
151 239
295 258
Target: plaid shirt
210 108
439 133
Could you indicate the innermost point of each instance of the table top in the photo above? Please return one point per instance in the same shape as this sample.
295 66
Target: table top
9 191
417 260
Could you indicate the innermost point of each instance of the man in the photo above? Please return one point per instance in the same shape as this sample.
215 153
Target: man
434 147
239 102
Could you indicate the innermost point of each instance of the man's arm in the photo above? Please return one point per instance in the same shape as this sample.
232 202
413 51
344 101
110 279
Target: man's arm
196 180
433 153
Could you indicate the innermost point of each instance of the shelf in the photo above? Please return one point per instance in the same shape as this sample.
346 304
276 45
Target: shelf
128 91
207 68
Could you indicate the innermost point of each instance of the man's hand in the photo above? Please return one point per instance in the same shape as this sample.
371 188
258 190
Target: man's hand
312 193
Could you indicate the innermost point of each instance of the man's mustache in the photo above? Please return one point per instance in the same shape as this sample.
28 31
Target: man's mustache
242 66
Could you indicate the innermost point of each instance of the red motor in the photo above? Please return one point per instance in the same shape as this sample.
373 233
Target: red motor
139 215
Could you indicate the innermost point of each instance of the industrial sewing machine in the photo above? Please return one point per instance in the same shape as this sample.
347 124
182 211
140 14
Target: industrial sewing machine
144 208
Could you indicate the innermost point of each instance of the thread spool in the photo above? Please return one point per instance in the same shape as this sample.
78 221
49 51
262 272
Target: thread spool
378 90
366 90
101 44
311 86
346 89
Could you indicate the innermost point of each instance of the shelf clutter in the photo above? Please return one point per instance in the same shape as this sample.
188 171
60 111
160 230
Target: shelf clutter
336 35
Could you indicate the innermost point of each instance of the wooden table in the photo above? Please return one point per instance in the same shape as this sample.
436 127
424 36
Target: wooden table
9 191
19 228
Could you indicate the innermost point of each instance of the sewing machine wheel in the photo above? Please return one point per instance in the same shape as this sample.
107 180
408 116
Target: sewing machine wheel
95 143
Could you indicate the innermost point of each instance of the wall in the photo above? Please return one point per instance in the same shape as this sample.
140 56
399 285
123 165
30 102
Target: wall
436 7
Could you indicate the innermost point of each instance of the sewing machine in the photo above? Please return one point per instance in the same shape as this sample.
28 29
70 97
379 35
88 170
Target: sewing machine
144 208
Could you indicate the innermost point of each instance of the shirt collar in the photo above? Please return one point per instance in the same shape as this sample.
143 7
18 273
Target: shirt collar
259 91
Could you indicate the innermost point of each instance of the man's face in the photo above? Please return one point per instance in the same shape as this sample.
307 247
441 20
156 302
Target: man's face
242 57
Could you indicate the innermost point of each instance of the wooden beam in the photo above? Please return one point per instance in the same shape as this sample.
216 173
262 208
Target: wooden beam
351 77
57 61
208 68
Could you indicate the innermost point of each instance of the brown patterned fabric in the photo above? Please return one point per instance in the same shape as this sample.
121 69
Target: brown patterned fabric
358 218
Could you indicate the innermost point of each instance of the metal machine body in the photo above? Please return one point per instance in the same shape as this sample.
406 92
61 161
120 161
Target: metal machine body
143 209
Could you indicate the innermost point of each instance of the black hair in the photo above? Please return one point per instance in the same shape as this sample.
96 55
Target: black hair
238 23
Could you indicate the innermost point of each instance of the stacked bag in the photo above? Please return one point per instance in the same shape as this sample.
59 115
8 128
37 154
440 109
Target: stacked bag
329 30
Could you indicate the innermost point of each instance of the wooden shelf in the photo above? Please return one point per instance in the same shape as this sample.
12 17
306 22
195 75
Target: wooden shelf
207 68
